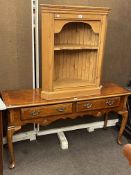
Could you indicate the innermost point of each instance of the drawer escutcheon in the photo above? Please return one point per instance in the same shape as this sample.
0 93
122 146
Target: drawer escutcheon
110 102
35 113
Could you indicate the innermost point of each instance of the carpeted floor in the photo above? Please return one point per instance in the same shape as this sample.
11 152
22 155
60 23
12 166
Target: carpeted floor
95 153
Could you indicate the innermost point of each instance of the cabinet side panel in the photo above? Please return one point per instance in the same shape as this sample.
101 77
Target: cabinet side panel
47 51
101 49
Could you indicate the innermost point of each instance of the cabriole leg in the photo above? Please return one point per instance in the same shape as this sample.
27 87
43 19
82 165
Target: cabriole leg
10 132
124 115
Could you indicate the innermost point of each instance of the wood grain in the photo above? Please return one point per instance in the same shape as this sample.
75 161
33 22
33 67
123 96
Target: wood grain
76 66
44 111
30 97
72 50
26 106
47 51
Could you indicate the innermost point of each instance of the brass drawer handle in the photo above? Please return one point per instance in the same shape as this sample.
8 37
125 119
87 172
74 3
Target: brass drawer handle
35 113
110 102
60 109
88 105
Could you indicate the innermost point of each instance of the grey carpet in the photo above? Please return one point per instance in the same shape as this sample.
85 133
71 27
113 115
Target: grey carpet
95 153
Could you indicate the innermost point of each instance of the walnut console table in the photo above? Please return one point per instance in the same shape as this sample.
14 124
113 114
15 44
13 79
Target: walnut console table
26 106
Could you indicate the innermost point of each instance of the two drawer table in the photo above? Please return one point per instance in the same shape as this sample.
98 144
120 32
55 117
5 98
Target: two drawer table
26 106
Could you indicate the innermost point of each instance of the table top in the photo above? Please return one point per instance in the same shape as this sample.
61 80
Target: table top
32 97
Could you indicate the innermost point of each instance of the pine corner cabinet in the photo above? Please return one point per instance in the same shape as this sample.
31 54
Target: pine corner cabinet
72 47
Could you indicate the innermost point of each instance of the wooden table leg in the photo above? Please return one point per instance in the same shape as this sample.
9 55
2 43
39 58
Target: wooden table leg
10 132
124 115
105 120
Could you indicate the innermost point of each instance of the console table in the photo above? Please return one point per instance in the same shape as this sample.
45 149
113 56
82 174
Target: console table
26 106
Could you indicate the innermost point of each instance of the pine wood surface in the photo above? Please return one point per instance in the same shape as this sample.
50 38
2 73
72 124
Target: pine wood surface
74 47
77 33
72 50
75 65
69 9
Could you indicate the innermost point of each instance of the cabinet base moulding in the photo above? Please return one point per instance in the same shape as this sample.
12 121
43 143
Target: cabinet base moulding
70 93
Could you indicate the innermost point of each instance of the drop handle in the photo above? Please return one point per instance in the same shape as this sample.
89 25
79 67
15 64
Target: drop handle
60 109
88 105
35 113
110 102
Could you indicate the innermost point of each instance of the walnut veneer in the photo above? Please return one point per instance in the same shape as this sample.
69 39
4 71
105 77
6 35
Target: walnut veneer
26 106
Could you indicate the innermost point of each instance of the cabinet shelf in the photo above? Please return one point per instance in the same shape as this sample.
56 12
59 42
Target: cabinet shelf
74 47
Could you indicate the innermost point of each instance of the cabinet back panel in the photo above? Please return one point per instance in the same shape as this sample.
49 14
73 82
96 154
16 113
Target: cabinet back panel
75 65
77 33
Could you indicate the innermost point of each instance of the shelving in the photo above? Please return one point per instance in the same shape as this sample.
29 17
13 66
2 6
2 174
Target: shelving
75 65
74 47
75 56
77 33
72 50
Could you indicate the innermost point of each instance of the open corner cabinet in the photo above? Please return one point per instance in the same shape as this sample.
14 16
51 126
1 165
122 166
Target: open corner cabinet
72 50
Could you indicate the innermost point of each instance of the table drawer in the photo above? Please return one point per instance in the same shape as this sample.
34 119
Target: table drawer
44 111
98 104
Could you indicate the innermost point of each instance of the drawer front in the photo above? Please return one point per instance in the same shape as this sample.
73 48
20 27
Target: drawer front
75 16
44 111
98 104
68 16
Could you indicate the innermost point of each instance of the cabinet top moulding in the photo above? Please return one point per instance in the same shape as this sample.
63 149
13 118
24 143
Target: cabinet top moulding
75 9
